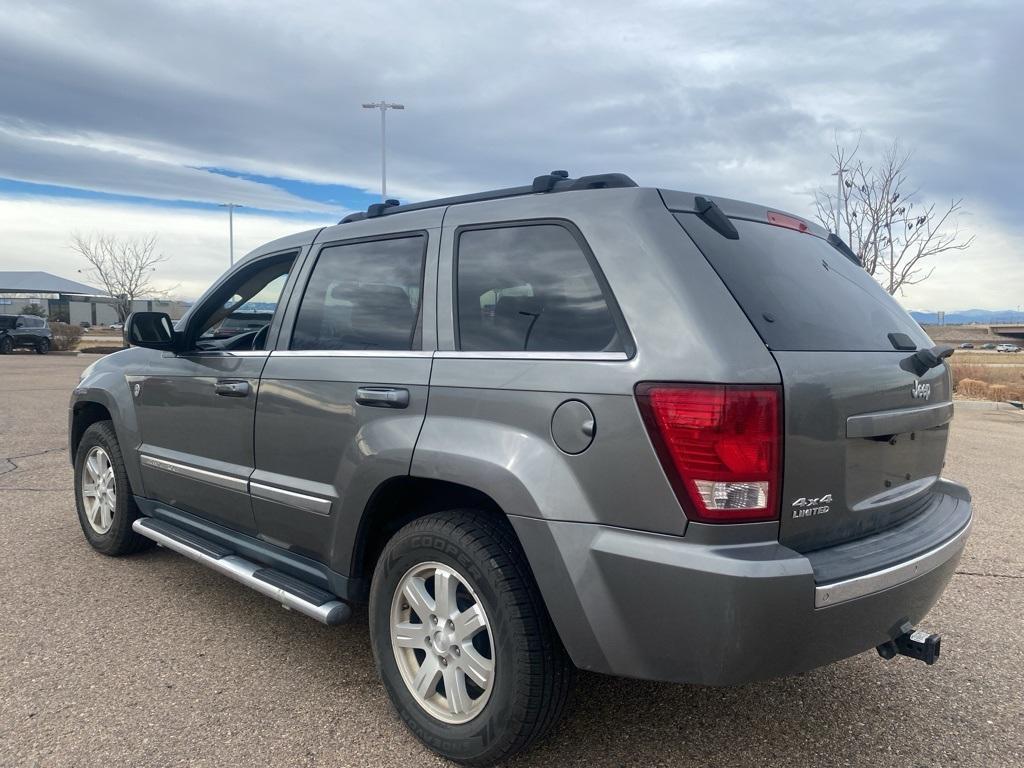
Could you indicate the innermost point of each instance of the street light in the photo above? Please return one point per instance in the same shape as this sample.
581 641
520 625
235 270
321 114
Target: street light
383 106
231 228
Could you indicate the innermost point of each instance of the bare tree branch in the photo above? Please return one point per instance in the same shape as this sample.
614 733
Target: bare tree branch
877 213
124 267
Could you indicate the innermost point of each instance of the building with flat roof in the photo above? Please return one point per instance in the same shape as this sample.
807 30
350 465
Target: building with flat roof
67 299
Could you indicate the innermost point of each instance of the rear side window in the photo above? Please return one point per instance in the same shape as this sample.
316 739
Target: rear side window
530 288
363 296
799 292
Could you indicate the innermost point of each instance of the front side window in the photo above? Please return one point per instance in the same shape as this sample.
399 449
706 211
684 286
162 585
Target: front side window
241 315
530 288
363 296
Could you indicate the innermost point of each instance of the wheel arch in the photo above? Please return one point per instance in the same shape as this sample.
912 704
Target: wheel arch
84 414
397 502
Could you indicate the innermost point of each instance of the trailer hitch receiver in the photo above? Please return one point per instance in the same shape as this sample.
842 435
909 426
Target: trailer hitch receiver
915 643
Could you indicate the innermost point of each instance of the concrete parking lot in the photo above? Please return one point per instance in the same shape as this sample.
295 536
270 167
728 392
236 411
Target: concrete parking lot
154 661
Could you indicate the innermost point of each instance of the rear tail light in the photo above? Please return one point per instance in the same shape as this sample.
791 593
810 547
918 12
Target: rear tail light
720 445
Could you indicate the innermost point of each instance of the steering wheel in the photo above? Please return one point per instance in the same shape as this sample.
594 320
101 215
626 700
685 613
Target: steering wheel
259 341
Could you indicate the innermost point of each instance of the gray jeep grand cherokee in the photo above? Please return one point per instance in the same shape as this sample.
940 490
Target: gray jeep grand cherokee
578 423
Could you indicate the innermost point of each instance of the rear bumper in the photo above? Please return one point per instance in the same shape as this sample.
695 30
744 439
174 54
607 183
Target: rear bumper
691 610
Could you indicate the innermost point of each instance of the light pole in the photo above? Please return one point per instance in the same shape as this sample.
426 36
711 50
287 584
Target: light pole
383 106
231 228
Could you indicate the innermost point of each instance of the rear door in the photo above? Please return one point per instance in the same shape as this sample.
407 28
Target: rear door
865 426
343 397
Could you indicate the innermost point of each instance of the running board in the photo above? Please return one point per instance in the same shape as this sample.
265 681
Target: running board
293 594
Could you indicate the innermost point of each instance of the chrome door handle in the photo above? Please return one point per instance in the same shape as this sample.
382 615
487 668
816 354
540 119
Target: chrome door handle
383 397
231 388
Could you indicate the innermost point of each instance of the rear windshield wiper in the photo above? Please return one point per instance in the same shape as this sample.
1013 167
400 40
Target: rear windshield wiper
837 242
712 215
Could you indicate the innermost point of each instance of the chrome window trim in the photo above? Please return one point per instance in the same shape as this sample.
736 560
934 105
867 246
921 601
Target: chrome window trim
351 353
474 355
239 484
305 502
837 592
220 353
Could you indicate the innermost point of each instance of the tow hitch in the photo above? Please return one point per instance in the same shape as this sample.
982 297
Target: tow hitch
914 643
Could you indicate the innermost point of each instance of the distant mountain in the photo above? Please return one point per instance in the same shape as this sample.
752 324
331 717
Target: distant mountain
966 316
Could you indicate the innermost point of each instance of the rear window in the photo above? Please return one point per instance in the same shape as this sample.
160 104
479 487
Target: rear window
530 288
799 292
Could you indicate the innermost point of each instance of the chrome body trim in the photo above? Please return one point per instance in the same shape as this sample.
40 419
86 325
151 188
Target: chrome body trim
230 482
305 502
242 571
838 592
599 356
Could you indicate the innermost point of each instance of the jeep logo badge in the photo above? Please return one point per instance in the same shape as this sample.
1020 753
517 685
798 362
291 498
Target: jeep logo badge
921 390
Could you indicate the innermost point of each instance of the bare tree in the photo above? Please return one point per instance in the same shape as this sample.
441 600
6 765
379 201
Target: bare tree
880 217
123 266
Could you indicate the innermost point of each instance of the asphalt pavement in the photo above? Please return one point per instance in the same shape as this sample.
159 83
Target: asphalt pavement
155 661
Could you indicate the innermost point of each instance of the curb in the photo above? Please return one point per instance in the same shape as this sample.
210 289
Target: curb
984 405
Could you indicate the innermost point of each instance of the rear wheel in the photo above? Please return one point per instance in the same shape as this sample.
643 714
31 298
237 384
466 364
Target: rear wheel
43 346
6 345
103 495
462 640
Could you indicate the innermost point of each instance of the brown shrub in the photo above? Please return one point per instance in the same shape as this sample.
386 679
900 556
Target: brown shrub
65 337
997 392
972 388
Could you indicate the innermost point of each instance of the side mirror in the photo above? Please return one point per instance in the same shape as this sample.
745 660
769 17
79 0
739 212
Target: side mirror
150 329
19 323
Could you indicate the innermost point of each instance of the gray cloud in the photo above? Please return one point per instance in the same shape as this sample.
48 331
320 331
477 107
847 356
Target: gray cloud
732 98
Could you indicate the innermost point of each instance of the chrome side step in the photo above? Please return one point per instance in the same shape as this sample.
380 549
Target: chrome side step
290 592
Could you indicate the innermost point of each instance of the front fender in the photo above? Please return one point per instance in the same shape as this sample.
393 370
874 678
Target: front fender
108 384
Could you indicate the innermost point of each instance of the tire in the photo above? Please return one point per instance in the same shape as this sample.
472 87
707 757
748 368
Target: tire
531 674
108 530
43 347
6 345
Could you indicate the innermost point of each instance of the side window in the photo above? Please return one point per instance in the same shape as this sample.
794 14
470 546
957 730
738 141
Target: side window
363 296
242 312
530 288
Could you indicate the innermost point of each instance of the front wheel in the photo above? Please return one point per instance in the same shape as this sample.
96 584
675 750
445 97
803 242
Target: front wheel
6 345
43 347
106 509
462 641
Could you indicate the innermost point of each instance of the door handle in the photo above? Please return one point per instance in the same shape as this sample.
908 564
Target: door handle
231 388
383 397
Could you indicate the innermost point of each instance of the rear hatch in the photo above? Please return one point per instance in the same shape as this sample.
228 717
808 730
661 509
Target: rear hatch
865 425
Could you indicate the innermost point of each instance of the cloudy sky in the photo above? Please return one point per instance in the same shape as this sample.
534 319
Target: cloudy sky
129 117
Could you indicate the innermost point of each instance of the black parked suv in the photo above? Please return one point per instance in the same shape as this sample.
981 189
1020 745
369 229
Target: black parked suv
576 424
24 331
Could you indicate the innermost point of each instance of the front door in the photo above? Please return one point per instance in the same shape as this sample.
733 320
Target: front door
344 395
196 409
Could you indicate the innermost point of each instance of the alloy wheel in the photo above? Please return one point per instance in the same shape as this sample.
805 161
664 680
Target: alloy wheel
99 489
442 642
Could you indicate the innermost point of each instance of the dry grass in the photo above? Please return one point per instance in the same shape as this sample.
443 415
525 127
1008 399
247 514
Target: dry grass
988 382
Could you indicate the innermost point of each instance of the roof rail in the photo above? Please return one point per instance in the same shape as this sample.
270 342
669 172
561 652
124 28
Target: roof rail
556 181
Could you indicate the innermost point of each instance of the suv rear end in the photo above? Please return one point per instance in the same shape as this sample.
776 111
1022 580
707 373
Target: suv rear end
804 442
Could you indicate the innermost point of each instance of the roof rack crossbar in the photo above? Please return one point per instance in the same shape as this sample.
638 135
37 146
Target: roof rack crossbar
556 181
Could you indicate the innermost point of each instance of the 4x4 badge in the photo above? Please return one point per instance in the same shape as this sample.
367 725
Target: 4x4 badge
804 507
